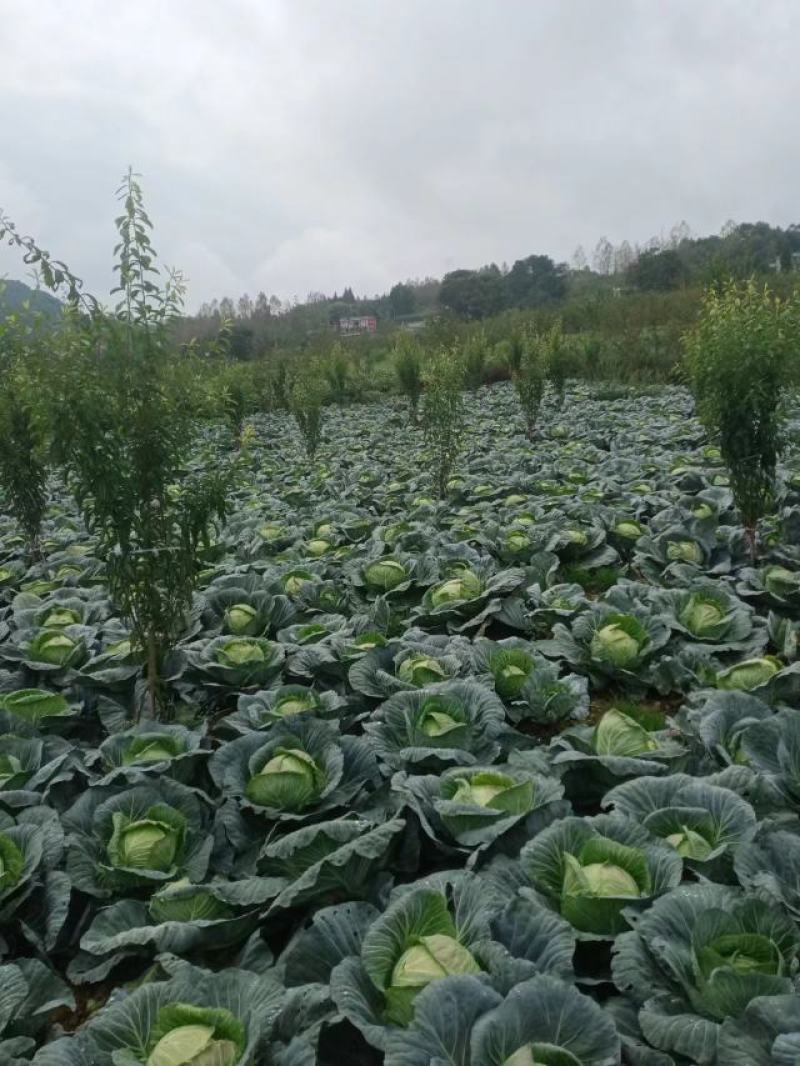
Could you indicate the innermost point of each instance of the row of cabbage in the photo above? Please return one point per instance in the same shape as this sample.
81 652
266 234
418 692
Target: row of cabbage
429 793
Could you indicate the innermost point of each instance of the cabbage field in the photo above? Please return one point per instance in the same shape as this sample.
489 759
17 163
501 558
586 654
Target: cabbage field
511 779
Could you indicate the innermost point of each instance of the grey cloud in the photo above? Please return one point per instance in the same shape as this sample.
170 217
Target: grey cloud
291 145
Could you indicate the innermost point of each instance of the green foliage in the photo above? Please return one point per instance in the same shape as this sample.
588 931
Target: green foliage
306 398
337 371
407 358
529 381
555 353
123 412
536 280
18 298
443 415
238 392
473 293
402 299
657 270
23 441
474 359
740 358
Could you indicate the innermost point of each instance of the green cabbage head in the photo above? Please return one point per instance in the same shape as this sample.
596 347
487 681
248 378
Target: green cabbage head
518 541
620 642
186 1035
619 734
437 721
629 529
599 881
465 585
510 670
152 747
53 647
429 959
690 844
290 780
385 575
781 583
496 791
685 551
749 674
242 619
181 901
238 652
32 704
154 842
703 614
420 670
60 616
296 703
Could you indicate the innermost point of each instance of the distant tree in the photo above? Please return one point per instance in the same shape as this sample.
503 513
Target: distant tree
679 233
226 308
654 271
275 305
579 261
241 341
347 296
603 256
245 307
623 257
534 281
261 308
402 299
473 293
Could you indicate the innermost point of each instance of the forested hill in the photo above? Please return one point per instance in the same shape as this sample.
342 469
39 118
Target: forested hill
15 295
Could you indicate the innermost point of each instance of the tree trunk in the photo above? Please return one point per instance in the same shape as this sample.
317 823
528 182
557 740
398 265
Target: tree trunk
152 677
750 537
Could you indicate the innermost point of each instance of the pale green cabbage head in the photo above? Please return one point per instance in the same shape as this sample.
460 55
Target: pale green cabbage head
702 614
32 704
628 529
619 643
239 651
465 585
385 574
181 901
241 619
749 674
60 616
150 843
781 582
53 647
421 670
430 959
685 551
152 747
690 844
619 734
290 780
186 1035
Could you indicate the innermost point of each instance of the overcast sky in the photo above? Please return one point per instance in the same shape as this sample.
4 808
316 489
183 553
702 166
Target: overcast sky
298 145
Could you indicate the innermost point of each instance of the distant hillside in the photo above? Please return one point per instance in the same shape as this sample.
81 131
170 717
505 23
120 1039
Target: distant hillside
13 294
